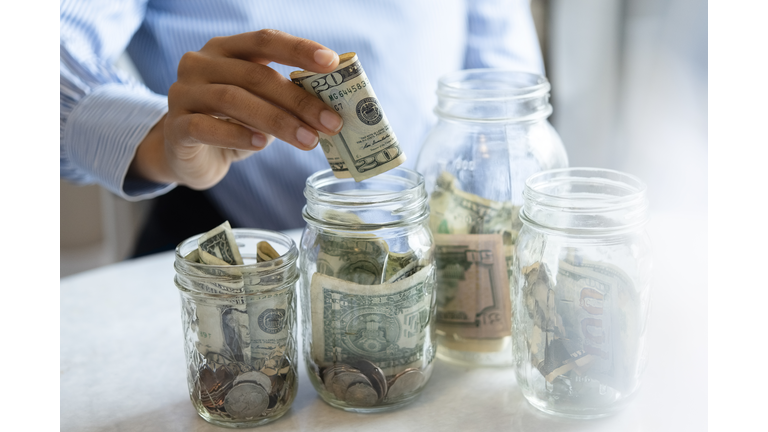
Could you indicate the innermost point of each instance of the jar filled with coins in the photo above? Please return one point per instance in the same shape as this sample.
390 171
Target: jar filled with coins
368 289
238 314
492 133
581 291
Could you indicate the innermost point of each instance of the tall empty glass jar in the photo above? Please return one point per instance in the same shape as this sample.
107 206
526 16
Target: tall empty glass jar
368 289
239 325
581 291
491 135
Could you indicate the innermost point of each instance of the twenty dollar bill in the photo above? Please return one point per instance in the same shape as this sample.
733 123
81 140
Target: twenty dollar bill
366 146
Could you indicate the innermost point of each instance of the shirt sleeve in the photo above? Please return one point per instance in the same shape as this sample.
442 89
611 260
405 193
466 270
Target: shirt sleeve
502 35
104 113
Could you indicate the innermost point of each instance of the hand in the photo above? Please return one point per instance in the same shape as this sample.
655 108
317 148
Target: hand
229 78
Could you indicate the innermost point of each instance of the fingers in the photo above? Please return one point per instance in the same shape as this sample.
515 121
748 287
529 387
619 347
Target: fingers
269 85
196 128
268 45
237 103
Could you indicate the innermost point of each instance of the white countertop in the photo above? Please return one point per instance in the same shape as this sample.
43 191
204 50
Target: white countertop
123 367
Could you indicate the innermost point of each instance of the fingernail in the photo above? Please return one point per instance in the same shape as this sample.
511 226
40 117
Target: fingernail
330 120
324 57
259 140
306 137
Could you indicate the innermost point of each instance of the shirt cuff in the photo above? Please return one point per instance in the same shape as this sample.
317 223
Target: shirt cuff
103 132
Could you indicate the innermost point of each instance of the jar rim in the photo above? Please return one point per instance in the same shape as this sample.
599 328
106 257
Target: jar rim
288 258
565 199
502 84
636 188
410 202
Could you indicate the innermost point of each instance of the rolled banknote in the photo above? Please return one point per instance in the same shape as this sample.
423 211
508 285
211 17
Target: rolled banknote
366 145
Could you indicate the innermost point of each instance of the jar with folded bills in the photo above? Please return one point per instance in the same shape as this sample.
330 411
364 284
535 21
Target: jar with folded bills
368 289
238 310
492 133
581 291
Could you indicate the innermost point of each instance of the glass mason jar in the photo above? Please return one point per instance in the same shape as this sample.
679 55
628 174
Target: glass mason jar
239 325
581 291
491 135
368 289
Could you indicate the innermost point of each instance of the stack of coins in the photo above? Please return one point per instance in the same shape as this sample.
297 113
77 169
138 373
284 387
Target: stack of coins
214 385
243 394
363 384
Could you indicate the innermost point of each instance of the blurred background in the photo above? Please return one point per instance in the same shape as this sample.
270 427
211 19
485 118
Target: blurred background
629 90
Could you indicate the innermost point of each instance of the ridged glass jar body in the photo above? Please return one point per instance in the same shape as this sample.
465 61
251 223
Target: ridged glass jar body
492 134
581 291
368 290
239 325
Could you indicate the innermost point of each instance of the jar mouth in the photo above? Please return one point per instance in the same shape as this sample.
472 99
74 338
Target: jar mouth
396 196
586 200
492 84
493 95
248 237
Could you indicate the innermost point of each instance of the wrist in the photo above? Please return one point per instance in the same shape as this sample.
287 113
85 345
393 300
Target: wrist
150 162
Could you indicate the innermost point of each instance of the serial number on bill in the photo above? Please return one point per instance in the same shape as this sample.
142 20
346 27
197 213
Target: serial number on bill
347 91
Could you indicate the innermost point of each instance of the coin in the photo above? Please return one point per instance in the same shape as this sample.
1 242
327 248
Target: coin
405 382
277 384
343 380
361 394
246 400
330 372
255 377
375 374
214 385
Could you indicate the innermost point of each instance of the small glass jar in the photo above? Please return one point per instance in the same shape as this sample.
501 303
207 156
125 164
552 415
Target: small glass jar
239 325
581 291
492 134
368 289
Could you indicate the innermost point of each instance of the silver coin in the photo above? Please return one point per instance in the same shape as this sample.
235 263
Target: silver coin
361 394
405 382
375 374
255 377
246 400
330 372
343 380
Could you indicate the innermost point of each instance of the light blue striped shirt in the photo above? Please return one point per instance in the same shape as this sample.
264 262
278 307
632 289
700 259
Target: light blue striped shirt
404 46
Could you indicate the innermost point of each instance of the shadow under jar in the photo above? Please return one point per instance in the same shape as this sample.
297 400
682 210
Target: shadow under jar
239 325
581 291
492 134
368 289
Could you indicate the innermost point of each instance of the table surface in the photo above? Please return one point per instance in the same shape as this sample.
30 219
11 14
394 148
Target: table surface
123 369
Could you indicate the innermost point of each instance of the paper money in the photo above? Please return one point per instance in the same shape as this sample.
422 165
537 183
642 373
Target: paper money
358 260
397 262
474 241
265 252
366 146
218 246
597 308
222 324
584 324
268 316
473 296
384 324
